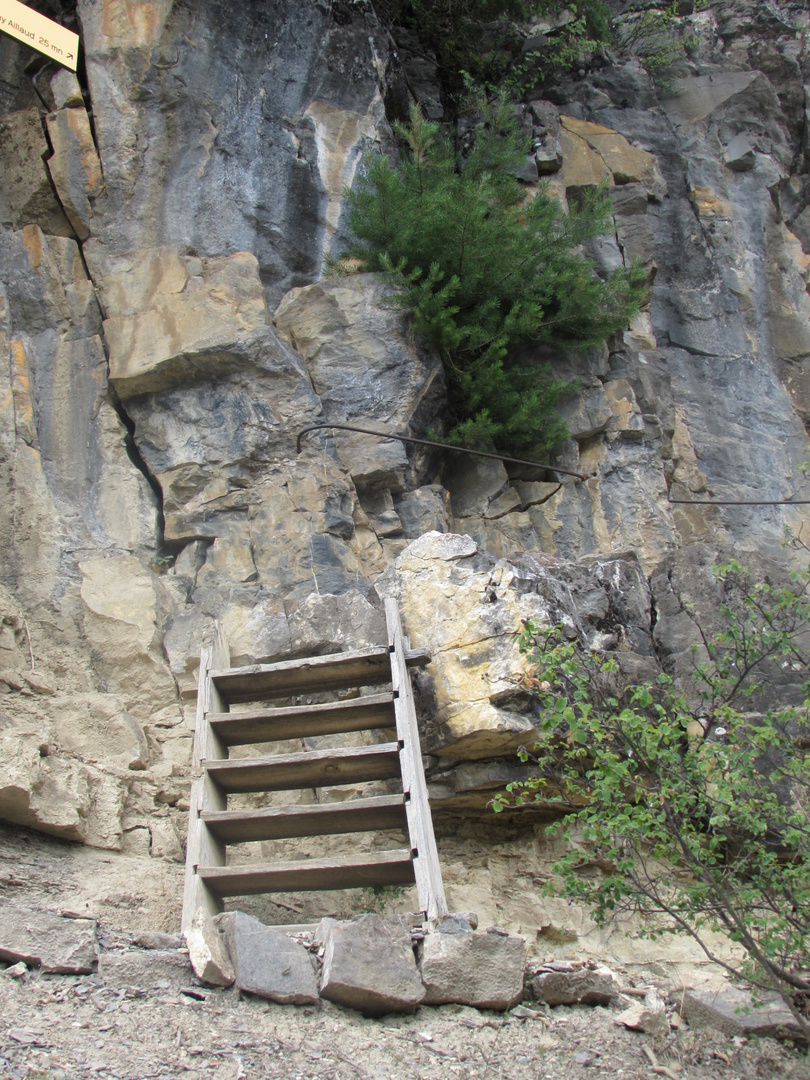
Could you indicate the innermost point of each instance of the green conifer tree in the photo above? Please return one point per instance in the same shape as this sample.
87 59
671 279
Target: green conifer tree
485 266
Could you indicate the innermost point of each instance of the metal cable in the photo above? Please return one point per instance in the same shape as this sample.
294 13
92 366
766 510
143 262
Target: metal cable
438 446
537 465
740 502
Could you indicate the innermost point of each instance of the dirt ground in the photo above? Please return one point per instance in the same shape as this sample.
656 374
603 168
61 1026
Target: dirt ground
70 1027
143 1016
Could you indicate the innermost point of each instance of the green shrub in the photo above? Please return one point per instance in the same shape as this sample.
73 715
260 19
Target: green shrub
696 817
485 268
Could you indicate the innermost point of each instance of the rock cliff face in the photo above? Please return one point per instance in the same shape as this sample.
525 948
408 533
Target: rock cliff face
166 332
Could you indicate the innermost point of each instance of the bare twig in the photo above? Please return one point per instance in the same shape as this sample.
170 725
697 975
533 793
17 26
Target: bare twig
659 1070
28 638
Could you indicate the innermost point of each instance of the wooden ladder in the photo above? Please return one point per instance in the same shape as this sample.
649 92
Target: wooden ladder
212 827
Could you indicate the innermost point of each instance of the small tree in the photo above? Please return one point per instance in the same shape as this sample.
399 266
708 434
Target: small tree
697 815
485 267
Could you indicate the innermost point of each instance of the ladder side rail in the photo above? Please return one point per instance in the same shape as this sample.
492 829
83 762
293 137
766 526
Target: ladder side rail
203 849
427 869
213 655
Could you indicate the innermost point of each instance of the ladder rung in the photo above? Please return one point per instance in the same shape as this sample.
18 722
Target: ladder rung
359 871
302 721
323 819
317 768
363 667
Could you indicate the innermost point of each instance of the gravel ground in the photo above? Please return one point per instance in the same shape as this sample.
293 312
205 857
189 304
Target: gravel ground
70 1027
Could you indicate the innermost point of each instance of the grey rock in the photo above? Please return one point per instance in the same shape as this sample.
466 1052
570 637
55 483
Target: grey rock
154 939
484 970
65 89
739 154
282 148
57 945
737 1012
473 483
532 493
585 1057
74 166
366 370
629 200
16 971
458 923
388 523
697 97
266 962
528 171
27 185
582 987
145 969
545 135
369 965
587 414
423 510
503 504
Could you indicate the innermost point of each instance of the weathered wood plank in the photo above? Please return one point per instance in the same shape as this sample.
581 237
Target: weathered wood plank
304 721
359 871
363 667
427 868
201 847
323 819
213 654
316 768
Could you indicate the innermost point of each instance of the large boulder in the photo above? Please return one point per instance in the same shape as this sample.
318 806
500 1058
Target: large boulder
369 965
266 962
367 370
469 968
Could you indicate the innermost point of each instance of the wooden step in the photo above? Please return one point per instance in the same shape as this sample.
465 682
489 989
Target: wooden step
316 768
323 819
364 667
353 872
303 721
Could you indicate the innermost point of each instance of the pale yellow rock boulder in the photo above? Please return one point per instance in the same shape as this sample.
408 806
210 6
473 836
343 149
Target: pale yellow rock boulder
44 790
74 166
592 152
98 729
169 315
124 610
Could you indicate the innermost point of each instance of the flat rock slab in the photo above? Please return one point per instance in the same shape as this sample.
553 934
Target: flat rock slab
58 945
581 987
266 962
483 970
737 1012
146 970
369 965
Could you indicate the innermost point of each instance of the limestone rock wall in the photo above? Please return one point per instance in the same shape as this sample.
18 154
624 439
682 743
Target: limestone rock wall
166 332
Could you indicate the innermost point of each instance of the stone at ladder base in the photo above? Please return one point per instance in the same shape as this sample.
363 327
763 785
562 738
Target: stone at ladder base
483 970
737 1012
266 962
60 946
207 952
583 987
368 964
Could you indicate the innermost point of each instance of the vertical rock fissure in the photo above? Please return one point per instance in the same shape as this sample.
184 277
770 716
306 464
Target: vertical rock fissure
165 549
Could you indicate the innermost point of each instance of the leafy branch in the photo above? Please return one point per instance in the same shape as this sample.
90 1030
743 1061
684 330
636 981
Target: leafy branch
695 810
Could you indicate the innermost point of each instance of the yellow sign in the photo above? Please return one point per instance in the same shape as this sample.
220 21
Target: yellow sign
39 32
